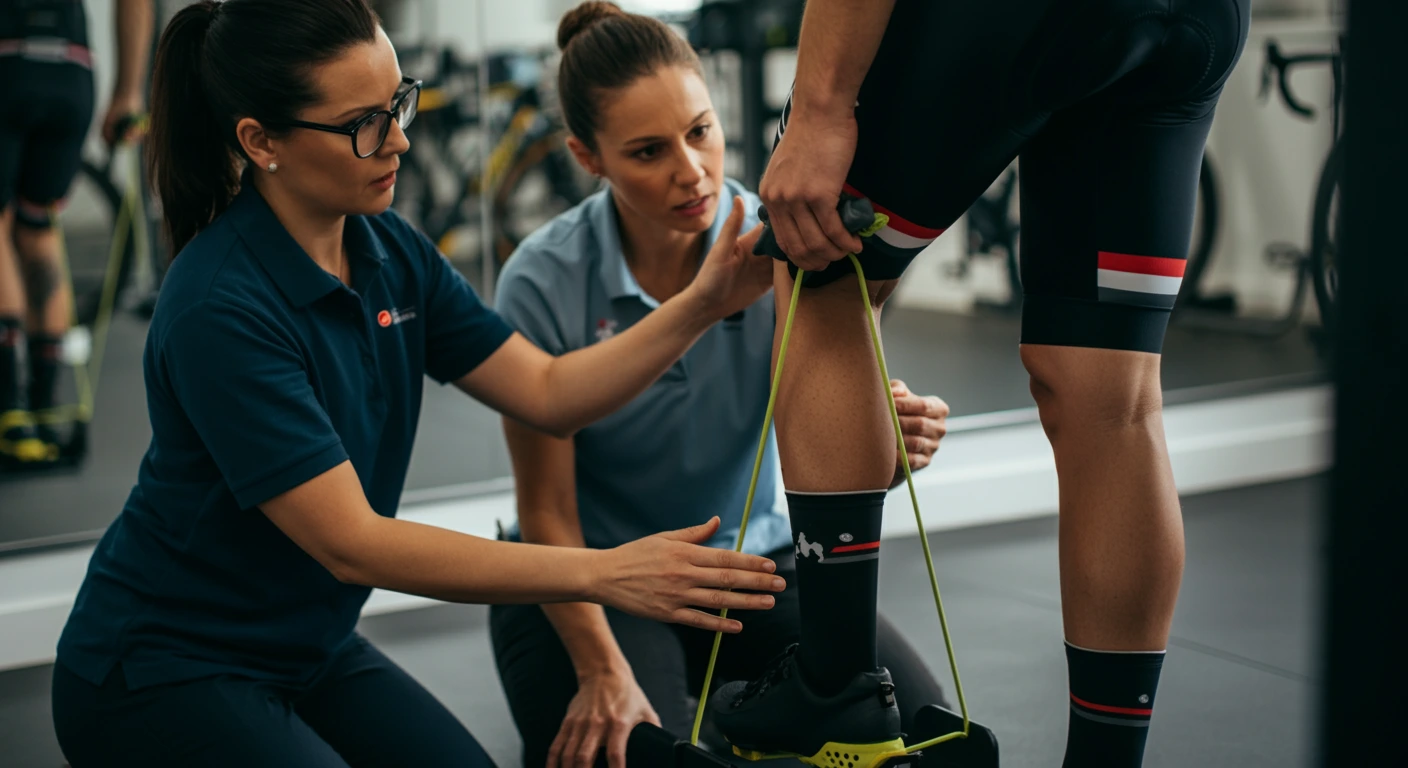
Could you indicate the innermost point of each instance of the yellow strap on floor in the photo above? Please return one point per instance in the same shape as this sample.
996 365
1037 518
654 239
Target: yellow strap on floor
909 481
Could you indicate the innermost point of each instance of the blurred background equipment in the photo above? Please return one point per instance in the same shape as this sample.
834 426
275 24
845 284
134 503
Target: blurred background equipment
529 175
745 31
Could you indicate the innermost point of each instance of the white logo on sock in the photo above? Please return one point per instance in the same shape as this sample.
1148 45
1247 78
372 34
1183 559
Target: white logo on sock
846 537
804 548
1143 698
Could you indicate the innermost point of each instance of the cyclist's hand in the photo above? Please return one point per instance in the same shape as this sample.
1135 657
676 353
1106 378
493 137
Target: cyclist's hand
731 277
666 576
602 714
802 186
124 106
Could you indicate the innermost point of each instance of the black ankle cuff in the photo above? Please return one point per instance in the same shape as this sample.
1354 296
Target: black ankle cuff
11 331
44 346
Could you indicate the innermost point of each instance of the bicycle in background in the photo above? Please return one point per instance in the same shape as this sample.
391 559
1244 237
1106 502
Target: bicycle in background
529 174
1315 264
113 186
1323 257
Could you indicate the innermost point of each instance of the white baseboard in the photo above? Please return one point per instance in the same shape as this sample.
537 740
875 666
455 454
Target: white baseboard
1001 472
1007 473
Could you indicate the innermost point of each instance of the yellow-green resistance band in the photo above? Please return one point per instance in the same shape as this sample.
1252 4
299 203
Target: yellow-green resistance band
86 376
909 481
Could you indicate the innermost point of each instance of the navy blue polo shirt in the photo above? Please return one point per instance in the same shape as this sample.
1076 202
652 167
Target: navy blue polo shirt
262 372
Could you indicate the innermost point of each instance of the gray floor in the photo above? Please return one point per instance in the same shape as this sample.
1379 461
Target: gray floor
1238 689
970 361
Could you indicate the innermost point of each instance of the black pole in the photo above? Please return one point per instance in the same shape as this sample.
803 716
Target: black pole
751 76
1365 696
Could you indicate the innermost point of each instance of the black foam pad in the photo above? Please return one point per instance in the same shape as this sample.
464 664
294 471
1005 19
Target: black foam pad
978 750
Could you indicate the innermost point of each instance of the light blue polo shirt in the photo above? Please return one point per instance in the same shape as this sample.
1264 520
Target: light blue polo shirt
683 450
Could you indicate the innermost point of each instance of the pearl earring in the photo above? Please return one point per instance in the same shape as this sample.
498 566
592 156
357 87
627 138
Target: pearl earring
273 167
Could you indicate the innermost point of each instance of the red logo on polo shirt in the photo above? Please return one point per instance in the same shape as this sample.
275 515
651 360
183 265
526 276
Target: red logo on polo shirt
389 317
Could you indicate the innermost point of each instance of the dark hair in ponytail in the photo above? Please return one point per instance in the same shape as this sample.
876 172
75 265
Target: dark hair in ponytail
605 48
219 62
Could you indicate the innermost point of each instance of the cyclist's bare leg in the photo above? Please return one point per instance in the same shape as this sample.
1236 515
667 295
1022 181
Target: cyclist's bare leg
50 308
1121 537
11 283
833 425
838 452
16 430
49 299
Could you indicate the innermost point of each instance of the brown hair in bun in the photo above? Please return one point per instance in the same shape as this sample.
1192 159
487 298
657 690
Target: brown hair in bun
575 21
603 49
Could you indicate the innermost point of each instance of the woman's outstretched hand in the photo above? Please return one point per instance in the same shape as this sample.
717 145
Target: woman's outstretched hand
670 577
731 277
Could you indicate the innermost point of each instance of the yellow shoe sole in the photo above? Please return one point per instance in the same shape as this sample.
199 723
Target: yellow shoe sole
29 451
836 755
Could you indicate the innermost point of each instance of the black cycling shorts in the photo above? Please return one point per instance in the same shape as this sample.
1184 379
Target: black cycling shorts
46 103
1107 103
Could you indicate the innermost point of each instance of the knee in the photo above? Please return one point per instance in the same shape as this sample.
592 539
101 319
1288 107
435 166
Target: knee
32 221
1081 390
35 240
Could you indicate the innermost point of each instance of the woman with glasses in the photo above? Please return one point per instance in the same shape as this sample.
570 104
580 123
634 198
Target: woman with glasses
283 367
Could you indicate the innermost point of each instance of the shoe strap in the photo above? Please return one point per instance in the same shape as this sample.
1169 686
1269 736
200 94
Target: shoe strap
15 418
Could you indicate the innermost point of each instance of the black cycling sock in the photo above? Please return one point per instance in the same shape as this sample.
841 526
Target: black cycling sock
44 354
837 546
11 338
1112 702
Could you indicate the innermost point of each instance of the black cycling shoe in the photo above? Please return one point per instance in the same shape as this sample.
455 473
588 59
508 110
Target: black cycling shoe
778 715
53 444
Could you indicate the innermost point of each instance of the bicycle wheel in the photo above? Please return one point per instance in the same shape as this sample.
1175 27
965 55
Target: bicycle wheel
90 241
1205 224
1325 236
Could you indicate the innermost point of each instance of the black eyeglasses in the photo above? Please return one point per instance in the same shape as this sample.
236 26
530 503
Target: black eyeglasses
369 131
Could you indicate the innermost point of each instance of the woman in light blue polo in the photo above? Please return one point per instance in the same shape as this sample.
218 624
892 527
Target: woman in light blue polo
577 677
284 368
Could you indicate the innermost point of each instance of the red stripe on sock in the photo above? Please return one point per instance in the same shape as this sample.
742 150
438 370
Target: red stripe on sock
1112 710
897 222
1144 265
854 547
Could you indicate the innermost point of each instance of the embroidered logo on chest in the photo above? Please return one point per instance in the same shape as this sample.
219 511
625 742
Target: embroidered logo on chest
605 328
389 317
